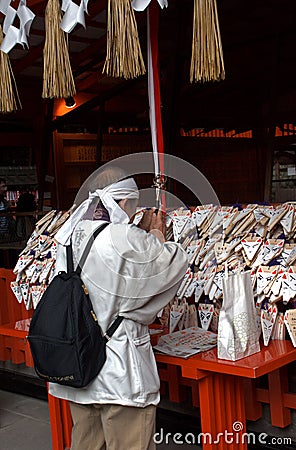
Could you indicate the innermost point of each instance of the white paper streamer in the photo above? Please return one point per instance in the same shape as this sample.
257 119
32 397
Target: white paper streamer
73 14
140 5
15 35
151 100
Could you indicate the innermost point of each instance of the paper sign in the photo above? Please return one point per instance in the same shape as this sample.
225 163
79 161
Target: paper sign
265 276
201 213
192 316
181 220
276 215
259 215
200 283
16 289
276 285
165 316
292 281
191 287
186 285
46 269
290 321
213 291
186 342
288 219
22 263
187 275
35 295
251 247
267 323
38 266
279 329
285 288
205 312
175 316
215 320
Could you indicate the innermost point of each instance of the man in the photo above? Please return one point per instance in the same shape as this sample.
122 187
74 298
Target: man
4 207
130 271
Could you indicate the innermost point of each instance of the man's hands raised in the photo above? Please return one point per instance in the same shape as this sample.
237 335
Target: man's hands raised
153 221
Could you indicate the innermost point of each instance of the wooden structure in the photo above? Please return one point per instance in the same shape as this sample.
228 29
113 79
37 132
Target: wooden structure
231 385
257 94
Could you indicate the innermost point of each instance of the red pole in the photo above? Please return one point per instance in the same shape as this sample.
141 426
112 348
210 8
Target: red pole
154 26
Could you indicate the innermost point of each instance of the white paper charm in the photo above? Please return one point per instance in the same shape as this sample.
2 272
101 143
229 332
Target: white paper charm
290 321
181 222
200 282
192 316
251 247
175 317
205 312
16 289
288 220
24 285
279 329
35 295
268 318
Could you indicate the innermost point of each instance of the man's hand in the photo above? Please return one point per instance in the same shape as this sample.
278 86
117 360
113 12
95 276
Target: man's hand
145 222
154 222
158 222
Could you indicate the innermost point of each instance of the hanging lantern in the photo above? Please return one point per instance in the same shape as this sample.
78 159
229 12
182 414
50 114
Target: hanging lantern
58 81
9 98
207 55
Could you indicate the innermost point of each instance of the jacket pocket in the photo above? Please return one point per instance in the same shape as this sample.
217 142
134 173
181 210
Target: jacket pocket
146 364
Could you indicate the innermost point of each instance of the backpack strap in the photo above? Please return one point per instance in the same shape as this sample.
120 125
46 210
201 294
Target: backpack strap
69 250
70 268
111 330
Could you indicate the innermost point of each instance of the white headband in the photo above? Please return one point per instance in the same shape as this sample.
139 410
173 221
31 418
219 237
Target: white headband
116 191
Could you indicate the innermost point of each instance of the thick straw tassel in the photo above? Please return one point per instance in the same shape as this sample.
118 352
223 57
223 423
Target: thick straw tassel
9 98
124 57
207 55
58 81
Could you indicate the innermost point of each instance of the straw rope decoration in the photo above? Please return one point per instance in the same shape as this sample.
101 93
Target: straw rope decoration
207 55
58 81
9 98
124 57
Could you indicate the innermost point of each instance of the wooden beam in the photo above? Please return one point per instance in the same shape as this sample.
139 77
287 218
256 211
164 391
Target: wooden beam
95 101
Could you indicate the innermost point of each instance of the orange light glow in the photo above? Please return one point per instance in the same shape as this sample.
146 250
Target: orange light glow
60 109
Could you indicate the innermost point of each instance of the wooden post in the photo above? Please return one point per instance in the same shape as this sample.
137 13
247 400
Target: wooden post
100 133
44 148
269 163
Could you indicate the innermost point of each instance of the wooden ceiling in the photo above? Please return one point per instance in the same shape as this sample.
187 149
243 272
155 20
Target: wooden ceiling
259 41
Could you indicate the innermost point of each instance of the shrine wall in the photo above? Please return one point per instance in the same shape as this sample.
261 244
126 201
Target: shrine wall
234 167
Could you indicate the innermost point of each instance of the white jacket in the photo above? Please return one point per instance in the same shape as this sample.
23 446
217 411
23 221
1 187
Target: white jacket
131 273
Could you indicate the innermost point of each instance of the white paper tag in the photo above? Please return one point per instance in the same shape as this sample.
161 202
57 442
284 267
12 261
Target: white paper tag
205 312
175 316
251 247
290 321
267 323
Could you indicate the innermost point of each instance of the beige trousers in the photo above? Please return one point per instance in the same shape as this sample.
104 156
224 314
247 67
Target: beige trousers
112 427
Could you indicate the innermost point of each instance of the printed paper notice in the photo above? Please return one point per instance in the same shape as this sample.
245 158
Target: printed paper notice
187 342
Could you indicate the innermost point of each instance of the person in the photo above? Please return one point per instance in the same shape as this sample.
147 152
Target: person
133 272
6 223
25 224
26 202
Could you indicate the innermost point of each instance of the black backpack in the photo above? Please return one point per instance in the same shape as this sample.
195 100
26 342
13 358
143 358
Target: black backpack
66 341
